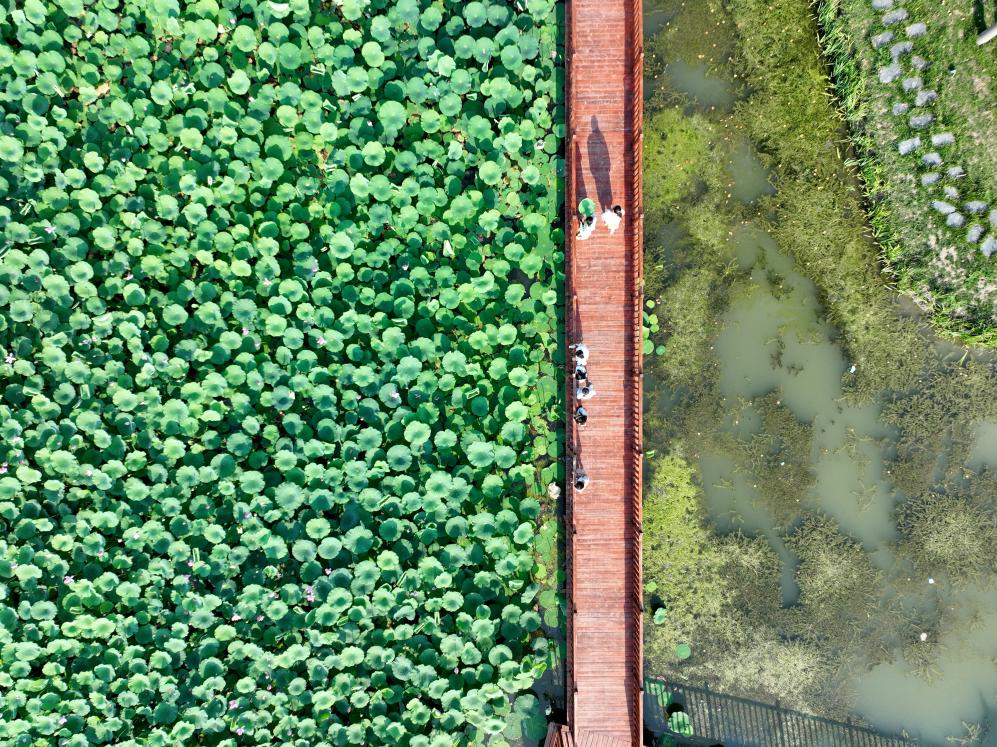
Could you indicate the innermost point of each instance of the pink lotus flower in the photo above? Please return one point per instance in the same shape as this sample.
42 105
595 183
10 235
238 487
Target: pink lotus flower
236 618
321 340
68 579
232 704
10 358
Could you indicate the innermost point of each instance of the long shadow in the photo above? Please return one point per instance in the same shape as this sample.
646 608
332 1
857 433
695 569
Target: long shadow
600 164
980 21
979 17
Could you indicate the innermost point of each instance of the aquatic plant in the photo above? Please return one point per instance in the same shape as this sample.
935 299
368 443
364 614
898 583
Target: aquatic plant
278 311
950 535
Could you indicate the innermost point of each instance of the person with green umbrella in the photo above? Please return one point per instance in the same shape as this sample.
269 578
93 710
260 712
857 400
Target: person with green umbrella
586 219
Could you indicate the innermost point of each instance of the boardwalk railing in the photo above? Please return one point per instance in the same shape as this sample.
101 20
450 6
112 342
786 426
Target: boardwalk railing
570 190
635 50
738 722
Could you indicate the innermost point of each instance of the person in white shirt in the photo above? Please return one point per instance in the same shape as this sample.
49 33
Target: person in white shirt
586 227
581 353
585 392
612 218
581 416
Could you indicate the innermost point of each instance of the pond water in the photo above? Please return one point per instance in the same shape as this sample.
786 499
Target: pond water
782 423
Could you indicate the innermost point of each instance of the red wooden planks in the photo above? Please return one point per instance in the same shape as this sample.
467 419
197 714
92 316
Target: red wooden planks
604 286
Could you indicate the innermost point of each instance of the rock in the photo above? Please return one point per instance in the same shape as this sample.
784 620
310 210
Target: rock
882 4
989 246
918 62
899 50
943 138
900 108
931 159
889 73
894 16
881 40
912 84
943 207
974 233
956 172
955 220
952 193
920 121
993 218
928 179
917 29
975 206
908 146
925 97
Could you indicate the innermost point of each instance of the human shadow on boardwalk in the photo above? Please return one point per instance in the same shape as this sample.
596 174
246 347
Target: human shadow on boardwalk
600 164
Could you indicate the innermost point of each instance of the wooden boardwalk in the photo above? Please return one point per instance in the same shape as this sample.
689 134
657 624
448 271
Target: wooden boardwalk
604 309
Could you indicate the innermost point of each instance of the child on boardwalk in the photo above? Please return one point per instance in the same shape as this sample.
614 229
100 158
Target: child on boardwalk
586 227
581 478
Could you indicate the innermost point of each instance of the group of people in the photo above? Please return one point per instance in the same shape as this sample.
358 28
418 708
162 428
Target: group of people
583 391
612 217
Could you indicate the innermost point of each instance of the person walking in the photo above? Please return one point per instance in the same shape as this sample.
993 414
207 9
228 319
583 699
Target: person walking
581 373
581 416
586 219
581 478
585 392
581 353
612 218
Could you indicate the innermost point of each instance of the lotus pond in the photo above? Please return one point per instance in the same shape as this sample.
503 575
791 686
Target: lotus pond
278 349
822 489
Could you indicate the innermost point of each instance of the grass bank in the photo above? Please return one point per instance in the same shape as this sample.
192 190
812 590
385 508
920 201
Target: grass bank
939 91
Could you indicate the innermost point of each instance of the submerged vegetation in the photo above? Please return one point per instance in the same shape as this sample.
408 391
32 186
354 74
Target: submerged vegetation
279 295
815 453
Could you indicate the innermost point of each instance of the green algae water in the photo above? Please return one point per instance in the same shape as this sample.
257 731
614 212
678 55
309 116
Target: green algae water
827 469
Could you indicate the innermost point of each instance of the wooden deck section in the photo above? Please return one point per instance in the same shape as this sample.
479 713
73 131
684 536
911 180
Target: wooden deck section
604 310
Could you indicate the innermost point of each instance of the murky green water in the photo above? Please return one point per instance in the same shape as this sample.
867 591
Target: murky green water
784 426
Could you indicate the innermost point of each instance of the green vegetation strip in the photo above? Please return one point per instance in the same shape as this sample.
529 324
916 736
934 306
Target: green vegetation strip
915 92
279 293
